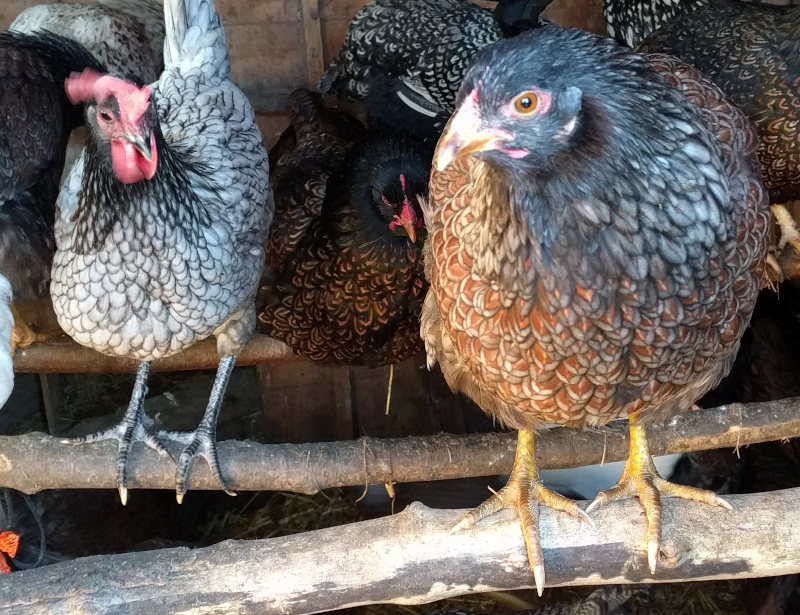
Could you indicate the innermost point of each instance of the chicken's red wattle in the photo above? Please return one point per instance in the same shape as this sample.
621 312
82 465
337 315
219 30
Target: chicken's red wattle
130 165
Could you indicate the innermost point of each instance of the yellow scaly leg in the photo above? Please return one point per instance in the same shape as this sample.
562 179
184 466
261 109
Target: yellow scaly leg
640 478
523 493
22 335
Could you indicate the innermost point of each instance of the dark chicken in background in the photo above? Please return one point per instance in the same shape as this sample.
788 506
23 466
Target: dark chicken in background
597 237
630 21
161 223
406 58
344 278
752 52
126 36
35 121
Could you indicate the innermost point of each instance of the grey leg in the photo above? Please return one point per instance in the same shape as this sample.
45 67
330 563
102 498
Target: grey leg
203 441
131 429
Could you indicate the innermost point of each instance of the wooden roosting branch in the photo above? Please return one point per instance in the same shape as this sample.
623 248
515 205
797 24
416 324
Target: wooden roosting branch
34 462
410 558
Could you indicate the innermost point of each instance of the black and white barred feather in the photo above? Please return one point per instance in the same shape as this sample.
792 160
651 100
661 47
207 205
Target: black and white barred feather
406 58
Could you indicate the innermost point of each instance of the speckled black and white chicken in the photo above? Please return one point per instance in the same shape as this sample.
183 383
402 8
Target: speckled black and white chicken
35 122
344 279
629 21
126 36
406 58
161 222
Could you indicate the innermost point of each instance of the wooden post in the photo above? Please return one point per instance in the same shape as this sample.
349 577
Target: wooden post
312 28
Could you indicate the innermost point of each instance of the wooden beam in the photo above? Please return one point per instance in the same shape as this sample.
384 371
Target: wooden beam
312 28
65 356
33 462
411 558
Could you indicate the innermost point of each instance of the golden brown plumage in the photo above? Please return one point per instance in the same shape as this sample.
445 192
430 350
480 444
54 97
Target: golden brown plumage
596 245
344 278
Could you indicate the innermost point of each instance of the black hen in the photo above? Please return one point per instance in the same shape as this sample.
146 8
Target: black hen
752 52
406 58
344 276
35 121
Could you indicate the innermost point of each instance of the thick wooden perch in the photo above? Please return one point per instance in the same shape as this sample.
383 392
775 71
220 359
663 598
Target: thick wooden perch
35 461
410 558
65 356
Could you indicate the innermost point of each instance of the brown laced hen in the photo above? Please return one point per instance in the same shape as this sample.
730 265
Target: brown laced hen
597 237
344 279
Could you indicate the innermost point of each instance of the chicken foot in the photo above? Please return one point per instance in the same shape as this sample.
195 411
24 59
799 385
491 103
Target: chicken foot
132 428
640 478
202 442
22 335
524 493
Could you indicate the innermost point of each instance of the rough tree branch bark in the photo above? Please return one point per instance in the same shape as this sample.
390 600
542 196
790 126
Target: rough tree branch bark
411 558
34 462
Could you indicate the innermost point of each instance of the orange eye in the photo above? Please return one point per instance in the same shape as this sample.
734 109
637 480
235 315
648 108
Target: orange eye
526 102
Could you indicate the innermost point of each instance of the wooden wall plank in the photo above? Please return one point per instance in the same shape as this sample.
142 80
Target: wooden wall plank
312 28
279 45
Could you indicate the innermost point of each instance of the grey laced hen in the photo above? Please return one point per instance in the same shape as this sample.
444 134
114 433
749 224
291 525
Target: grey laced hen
161 222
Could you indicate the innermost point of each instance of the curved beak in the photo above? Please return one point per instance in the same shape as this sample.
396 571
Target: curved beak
411 230
408 220
466 135
143 144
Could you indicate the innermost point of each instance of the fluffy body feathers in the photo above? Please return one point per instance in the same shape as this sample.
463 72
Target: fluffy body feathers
147 269
752 52
343 281
616 281
126 36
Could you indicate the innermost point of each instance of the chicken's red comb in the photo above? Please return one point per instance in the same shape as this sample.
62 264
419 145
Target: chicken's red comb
9 542
91 85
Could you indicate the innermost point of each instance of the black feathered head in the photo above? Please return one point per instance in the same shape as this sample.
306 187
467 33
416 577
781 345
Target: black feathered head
548 92
383 177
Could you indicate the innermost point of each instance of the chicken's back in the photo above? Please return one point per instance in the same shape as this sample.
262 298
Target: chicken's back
118 39
752 52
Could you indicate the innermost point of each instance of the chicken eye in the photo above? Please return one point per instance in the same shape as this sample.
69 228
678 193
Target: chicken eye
105 116
526 102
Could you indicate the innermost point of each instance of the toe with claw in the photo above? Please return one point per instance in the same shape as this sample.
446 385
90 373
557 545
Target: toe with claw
640 478
524 493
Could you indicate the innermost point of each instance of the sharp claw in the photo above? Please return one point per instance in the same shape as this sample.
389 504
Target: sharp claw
724 504
586 518
538 577
652 556
179 497
463 524
595 504
123 494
